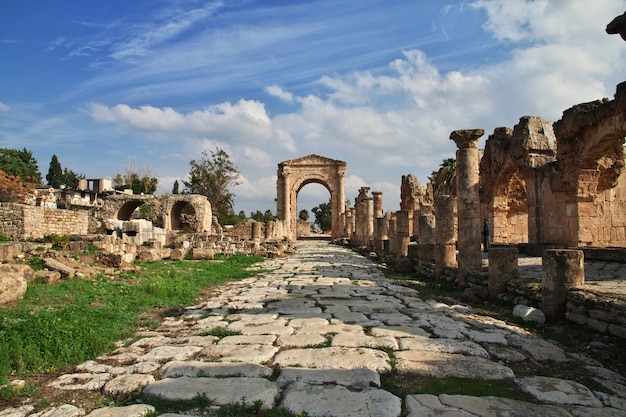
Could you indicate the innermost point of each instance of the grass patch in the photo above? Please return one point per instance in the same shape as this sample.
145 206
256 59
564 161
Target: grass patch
403 385
60 325
221 332
240 410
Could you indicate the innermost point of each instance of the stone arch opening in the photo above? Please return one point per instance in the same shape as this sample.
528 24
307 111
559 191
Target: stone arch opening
293 175
311 187
127 209
183 216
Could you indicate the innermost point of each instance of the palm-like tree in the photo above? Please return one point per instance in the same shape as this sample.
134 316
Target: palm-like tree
444 179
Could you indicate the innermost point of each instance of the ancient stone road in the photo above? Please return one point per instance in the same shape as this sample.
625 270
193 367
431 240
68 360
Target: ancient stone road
315 334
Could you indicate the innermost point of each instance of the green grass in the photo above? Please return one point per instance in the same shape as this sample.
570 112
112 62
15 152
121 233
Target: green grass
60 325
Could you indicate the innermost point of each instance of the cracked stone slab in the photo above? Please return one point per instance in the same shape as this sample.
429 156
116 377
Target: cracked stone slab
136 410
301 340
261 339
272 329
361 340
65 410
239 353
177 369
161 353
442 365
399 331
221 391
334 357
81 381
558 391
443 346
427 405
352 378
538 349
338 401
127 384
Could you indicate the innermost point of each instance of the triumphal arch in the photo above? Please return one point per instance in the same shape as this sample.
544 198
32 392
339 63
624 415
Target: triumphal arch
295 174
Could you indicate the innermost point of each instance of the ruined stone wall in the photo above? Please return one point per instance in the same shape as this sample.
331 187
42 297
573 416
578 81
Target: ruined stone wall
22 222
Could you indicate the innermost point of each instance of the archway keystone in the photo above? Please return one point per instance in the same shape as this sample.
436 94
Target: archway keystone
293 175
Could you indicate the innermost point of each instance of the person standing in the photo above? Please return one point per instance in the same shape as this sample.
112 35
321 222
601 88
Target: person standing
486 234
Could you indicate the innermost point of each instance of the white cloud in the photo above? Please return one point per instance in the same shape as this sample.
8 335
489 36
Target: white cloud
4 107
245 122
279 92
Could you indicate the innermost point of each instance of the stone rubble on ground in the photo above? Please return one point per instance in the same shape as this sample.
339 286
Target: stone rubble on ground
315 332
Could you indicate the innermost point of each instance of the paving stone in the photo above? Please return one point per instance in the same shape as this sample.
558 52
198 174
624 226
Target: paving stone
334 358
331 328
301 340
127 384
504 353
443 346
65 410
136 368
221 391
161 353
536 348
306 322
487 336
442 365
21 411
272 329
263 339
466 406
392 319
353 378
558 391
361 340
338 401
239 353
399 331
81 381
176 369
136 410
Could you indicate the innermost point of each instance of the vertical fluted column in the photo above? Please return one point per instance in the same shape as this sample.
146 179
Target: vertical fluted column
469 257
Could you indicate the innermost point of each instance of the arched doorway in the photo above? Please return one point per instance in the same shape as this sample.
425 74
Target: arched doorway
293 175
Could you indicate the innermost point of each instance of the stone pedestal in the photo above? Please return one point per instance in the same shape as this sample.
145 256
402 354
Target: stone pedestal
469 221
502 268
445 246
563 269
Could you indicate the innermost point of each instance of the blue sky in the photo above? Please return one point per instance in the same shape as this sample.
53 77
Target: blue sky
378 84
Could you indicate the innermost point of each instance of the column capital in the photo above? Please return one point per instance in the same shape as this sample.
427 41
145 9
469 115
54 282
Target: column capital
467 139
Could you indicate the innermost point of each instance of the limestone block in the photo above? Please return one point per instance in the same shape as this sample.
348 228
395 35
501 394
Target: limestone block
336 400
177 369
357 379
221 391
149 255
65 410
558 391
127 384
12 284
178 254
136 410
202 253
529 314
54 265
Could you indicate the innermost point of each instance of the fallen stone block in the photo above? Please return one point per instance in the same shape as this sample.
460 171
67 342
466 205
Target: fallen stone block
54 265
149 255
12 284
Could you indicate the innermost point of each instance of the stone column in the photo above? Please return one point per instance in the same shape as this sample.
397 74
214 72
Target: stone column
394 247
502 268
469 222
378 203
563 269
403 232
426 222
445 245
256 231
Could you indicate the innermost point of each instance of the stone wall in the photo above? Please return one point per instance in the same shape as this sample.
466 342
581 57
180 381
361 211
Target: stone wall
22 222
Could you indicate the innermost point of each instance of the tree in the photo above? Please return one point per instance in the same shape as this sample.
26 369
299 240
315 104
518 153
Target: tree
57 176
323 216
12 189
20 164
444 179
142 182
71 178
54 178
175 187
213 177
304 215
